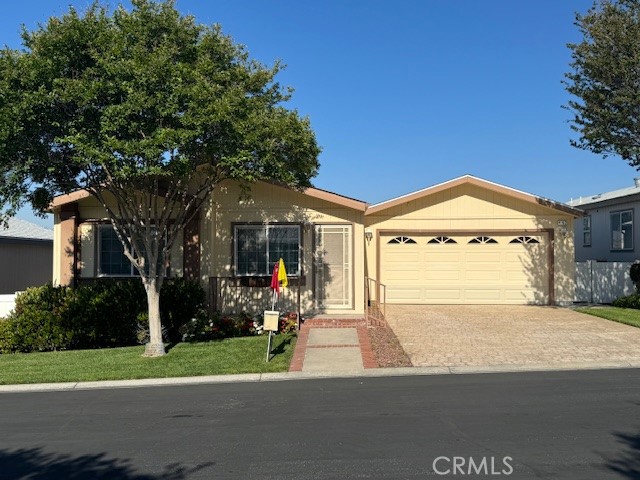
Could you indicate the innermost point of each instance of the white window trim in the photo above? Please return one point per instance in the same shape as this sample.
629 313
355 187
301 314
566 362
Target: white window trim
266 227
619 213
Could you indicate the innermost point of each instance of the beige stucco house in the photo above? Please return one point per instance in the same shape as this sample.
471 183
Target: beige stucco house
466 241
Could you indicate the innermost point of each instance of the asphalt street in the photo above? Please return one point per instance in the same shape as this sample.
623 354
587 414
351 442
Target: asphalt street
560 425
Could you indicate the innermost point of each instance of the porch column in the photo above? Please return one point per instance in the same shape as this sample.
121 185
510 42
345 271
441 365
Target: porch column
68 251
191 249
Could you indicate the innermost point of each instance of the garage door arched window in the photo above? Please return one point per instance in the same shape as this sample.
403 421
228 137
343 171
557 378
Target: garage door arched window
525 240
402 240
483 240
442 240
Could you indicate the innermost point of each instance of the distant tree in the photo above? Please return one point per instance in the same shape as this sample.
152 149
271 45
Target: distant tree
605 79
147 111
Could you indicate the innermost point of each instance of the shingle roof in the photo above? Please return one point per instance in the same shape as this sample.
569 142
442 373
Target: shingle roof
19 228
601 197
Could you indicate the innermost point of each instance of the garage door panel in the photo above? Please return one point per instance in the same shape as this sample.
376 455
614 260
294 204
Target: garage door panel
440 266
483 256
443 295
403 294
394 257
403 276
494 273
482 275
442 275
483 294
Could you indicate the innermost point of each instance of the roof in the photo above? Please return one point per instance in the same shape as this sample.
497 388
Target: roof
336 198
312 192
19 228
471 180
602 197
371 209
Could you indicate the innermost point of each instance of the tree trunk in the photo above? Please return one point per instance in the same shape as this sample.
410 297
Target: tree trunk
155 347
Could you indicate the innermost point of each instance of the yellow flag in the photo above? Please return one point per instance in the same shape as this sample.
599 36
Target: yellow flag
282 274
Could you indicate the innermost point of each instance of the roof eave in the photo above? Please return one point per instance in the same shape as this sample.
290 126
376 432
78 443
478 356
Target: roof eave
470 179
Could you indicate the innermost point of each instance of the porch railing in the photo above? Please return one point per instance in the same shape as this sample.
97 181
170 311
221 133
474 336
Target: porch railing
375 302
251 294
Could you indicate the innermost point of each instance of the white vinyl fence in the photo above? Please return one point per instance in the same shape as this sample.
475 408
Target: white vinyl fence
7 303
602 282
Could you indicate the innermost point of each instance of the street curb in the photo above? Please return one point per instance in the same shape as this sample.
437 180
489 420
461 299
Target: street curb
286 376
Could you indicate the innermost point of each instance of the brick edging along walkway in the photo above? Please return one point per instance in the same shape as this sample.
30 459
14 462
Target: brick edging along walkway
368 358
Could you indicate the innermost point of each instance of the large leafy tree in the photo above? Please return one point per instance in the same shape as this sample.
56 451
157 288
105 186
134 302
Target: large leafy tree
147 111
605 80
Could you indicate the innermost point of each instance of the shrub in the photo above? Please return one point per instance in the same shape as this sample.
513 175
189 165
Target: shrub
180 301
288 323
634 273
204 327
6 336
630 301
104 313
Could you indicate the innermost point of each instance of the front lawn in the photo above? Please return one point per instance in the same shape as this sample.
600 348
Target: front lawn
228 356
628 316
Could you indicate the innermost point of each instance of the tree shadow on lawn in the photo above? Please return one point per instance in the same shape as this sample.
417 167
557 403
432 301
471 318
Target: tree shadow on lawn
36 464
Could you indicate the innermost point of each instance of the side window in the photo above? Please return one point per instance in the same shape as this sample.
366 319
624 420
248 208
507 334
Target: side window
622 230
586 231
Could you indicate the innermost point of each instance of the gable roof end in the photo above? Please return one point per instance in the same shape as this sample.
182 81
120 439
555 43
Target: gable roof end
471 180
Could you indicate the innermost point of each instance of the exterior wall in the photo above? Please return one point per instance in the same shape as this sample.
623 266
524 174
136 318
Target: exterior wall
87 258
273 204
25 263
90 214
471 208
600 248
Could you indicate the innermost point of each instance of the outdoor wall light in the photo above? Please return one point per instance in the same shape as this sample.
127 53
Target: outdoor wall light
368 234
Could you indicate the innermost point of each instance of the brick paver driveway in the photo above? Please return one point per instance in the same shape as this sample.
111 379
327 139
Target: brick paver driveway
482 335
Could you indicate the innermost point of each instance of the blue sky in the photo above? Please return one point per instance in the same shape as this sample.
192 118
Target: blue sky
411 93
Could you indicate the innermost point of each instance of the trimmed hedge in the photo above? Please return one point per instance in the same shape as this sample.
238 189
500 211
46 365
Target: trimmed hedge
630 301
104 313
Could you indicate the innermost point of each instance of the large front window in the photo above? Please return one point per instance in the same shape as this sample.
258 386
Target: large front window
259 247
622 230
111 252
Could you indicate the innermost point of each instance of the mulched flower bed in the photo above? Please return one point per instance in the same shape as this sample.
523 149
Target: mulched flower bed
387 348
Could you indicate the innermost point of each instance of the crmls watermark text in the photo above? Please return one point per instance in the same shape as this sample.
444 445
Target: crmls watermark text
472 466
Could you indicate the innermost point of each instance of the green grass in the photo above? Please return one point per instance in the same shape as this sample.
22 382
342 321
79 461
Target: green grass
232 355
628 316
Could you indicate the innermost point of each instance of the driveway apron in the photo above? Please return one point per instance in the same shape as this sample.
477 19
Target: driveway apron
490 335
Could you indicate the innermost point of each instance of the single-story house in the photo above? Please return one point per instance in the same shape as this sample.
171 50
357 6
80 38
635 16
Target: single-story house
25 255
466 241
608 231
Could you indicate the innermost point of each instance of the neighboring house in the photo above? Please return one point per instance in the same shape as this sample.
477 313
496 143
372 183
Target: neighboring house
25 255
464 241
610 230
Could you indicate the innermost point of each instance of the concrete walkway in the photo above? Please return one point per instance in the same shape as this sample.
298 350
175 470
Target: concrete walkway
330 346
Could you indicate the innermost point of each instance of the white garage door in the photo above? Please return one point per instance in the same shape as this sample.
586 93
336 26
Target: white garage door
465 269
